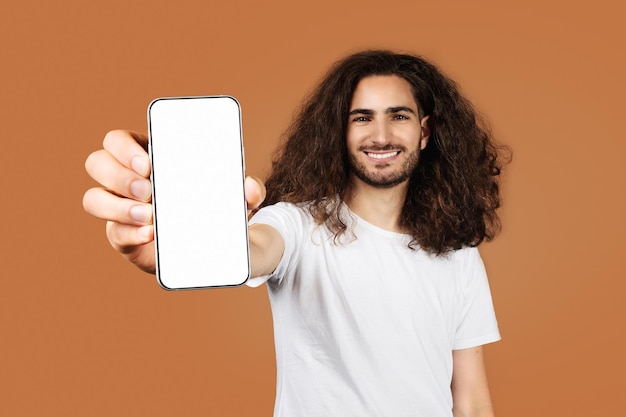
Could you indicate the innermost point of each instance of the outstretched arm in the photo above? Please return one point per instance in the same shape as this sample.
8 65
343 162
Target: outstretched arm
123 199
470 392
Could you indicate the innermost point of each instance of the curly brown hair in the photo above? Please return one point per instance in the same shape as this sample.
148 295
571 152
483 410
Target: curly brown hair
453 193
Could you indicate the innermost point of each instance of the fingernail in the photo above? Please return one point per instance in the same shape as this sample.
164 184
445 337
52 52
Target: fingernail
145 232
140 189
140 165
141 213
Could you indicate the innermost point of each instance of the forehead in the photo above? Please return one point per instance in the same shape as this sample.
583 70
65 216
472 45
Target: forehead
383 91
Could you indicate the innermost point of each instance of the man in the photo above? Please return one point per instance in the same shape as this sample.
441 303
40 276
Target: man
382 190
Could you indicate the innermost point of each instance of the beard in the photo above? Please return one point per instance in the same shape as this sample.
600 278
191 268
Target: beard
377 176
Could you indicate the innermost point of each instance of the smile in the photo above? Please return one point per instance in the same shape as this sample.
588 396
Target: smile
382 155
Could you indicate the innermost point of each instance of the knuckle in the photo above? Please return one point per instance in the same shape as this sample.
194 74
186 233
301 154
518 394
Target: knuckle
111 233
91 161
121 236
87 200
115 235
108 138
116 140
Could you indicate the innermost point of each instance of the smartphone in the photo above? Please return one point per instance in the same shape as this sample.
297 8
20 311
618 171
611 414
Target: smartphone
200 216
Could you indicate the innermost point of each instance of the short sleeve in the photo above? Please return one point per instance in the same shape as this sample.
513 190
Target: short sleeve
288 220
476 320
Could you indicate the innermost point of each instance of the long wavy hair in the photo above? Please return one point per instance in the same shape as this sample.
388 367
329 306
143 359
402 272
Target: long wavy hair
453 192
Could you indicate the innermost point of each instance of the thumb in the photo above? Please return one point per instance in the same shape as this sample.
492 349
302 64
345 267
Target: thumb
255 192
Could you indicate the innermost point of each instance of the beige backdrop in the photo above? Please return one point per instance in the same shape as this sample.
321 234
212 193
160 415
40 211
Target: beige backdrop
82 333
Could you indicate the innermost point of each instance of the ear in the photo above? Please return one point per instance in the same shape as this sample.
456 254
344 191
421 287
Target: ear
425 132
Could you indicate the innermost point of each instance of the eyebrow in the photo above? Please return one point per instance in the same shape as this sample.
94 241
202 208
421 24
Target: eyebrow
390 110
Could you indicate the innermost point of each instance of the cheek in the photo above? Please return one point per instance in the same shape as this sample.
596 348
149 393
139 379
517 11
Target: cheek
414 136
352 138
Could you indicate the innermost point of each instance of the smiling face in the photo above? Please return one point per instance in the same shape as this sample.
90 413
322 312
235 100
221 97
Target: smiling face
384 135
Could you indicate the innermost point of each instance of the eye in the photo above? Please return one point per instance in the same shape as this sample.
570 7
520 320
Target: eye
400 117
360 119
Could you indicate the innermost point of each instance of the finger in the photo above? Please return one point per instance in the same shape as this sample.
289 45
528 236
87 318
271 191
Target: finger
126 238
103 167
134 243
130 149
255 192
107 206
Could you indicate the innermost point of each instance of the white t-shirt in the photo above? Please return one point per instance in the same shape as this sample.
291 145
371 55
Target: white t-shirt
366 326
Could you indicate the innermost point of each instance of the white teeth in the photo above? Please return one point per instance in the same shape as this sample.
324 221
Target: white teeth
382 155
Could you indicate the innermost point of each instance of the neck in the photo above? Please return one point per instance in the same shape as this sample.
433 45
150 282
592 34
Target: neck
378 206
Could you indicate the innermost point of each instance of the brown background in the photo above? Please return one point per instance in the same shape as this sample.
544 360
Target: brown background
85 334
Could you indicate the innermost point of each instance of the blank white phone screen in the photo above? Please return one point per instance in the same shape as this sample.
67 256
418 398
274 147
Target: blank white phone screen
200 217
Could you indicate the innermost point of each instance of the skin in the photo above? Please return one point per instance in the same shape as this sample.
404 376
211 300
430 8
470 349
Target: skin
470 391
383 139
122 168
384 142
383 122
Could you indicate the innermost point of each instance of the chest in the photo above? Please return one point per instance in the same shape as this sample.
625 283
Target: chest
379 286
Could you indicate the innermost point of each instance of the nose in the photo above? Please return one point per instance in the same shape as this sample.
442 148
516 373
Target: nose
382 132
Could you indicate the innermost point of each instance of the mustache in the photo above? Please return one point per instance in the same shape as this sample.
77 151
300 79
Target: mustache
378 148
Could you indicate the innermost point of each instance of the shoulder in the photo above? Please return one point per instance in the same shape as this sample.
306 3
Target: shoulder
287 218
460 259
464 267
464 257
467 256
281 210
470 270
